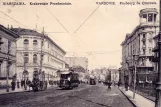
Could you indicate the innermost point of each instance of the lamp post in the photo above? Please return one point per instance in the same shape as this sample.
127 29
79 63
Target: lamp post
135 58
158 88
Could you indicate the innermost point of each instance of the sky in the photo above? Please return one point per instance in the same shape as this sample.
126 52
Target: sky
83 29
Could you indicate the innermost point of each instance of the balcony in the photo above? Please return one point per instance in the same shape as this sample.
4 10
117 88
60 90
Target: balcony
144 66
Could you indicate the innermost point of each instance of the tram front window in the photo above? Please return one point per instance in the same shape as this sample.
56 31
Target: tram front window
65 76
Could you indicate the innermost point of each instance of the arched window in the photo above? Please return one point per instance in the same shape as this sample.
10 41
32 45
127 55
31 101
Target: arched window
26 42
26 58
34 58
35 42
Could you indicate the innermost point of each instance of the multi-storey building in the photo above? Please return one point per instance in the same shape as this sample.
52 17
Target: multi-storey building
137 47
37 51
7 54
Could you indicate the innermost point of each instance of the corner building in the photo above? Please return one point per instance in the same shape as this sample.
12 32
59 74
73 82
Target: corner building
7 55
140 43
30 46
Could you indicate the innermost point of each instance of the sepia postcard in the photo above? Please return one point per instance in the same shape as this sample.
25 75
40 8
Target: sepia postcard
80 53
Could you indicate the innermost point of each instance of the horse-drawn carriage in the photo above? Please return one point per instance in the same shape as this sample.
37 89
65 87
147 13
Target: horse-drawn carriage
38 83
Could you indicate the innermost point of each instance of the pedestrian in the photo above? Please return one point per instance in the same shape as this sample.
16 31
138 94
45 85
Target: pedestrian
22 83
18 84
109 84
126 86
13 84
28 82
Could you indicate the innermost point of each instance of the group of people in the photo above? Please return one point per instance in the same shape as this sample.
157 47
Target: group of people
24 83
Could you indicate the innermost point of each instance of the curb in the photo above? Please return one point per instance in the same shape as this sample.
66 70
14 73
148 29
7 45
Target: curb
146 97
13 92
128 98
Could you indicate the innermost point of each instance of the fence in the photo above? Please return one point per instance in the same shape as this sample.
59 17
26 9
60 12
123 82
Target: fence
146 88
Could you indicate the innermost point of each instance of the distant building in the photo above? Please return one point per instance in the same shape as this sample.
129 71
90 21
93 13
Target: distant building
30 45
114 75
79 64
7 54
139 43
77 61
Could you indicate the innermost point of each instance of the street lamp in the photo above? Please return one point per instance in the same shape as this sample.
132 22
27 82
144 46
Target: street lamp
135 58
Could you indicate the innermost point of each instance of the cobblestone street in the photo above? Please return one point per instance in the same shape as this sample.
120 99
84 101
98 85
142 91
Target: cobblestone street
83 96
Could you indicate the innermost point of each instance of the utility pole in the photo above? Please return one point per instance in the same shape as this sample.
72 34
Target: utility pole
24 73
135 59
158 88
134 80
41 54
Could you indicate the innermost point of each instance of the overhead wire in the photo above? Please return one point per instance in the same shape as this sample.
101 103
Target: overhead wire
56 19
12 18
88 18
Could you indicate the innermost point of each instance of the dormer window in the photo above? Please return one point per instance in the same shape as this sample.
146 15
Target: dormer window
35 42
26 42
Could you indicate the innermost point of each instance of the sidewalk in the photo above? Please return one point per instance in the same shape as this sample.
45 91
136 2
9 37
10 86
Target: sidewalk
139 100
3 91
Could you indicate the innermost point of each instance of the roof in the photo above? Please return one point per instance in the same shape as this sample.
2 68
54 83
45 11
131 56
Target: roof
8 31
128 36
23 31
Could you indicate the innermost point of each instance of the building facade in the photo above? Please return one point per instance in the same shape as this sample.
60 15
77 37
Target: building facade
34 48
137 48
7 54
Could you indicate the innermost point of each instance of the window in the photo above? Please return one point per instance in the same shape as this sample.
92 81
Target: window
35 42
143 42
9 47
0 70
143 35
26 58
26 42
42 57
150 17
145 16
144 51
42 43
155 17
1 43
34 58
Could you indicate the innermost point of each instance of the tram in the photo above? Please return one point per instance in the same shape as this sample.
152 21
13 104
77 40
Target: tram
68 79
92 80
